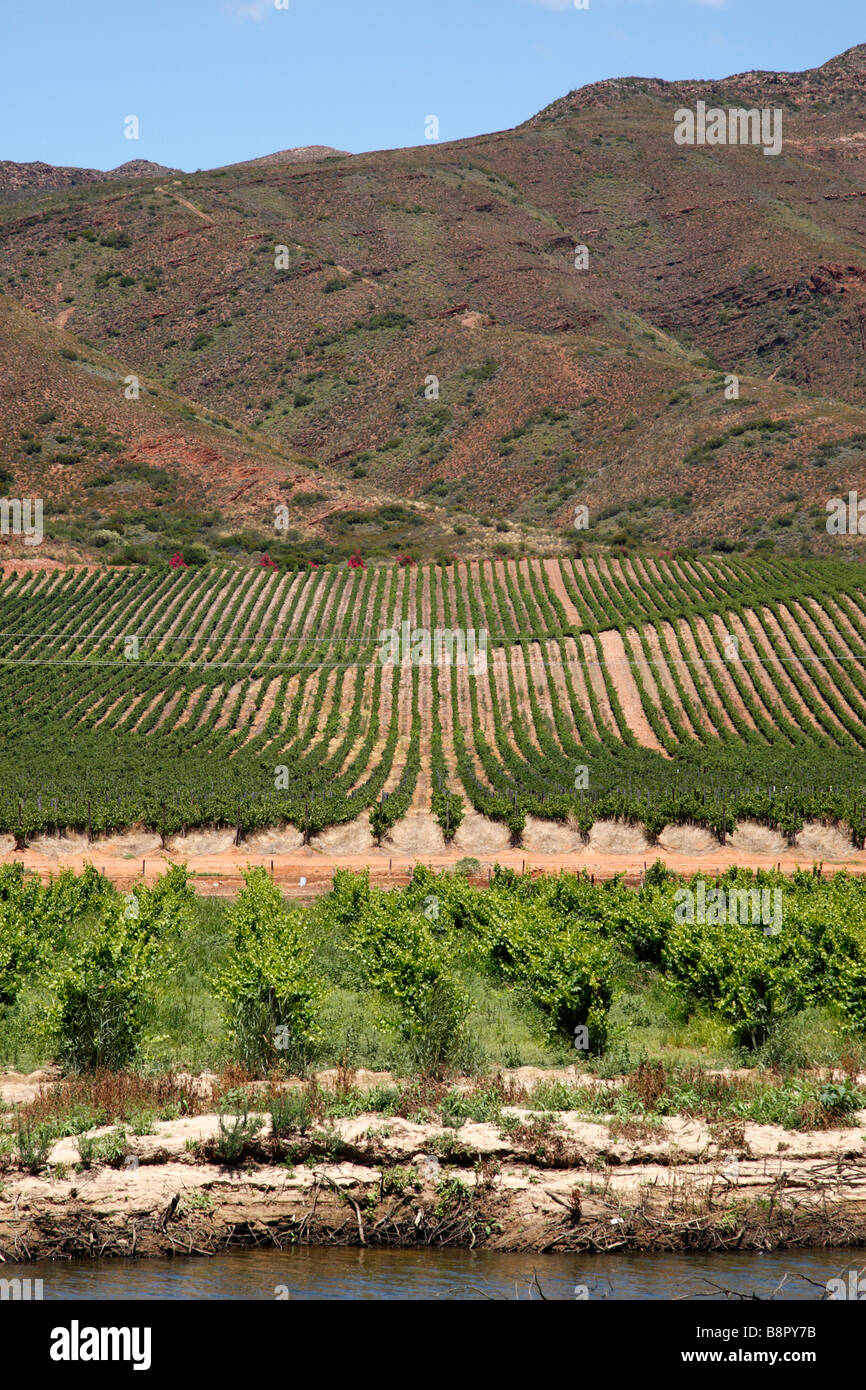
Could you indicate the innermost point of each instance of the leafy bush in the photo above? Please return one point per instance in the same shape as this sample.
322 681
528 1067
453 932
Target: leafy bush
20 949
415 971
33 919
840 1097
467 867
111 1148
117 239
269 987
34 1144
99 1011
480 1106
104 989
391 318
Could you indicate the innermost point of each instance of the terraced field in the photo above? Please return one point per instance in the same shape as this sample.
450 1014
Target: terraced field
656 690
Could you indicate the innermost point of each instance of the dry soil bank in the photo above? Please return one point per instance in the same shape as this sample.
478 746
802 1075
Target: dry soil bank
535 1181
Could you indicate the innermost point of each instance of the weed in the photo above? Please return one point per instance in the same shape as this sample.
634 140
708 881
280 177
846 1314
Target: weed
397 1181
290 1110
34 1144
452 1193
235 1137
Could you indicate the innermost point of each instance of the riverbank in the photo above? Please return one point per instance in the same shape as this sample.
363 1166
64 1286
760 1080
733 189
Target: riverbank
533 1179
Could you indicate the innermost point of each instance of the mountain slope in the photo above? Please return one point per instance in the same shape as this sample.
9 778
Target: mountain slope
414 321
19 180
150 474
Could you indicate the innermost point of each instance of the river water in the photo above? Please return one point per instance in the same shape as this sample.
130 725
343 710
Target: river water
322 1272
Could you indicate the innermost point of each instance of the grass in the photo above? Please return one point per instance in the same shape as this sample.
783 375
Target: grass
34 1142
109 1149
653 1092
291 1111
236 1133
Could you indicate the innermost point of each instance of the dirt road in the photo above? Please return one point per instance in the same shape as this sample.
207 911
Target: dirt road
306 873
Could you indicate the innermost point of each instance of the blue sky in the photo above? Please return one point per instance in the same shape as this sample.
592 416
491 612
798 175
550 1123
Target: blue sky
215 81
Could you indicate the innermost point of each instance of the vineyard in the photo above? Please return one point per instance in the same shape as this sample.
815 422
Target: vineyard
438 975
662 691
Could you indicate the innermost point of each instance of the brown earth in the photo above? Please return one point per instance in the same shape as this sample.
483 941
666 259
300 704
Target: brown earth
612 848
17 178
626 689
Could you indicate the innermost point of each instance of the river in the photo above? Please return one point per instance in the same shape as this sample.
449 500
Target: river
326 1272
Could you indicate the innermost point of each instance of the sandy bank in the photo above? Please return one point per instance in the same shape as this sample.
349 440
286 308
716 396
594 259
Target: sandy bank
530 1181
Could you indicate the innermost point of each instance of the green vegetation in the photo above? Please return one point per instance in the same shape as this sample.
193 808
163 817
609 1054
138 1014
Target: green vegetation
437 978
751 431
176 734
267 984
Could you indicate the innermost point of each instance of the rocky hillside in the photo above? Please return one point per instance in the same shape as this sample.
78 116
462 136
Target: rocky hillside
35 177
416 321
